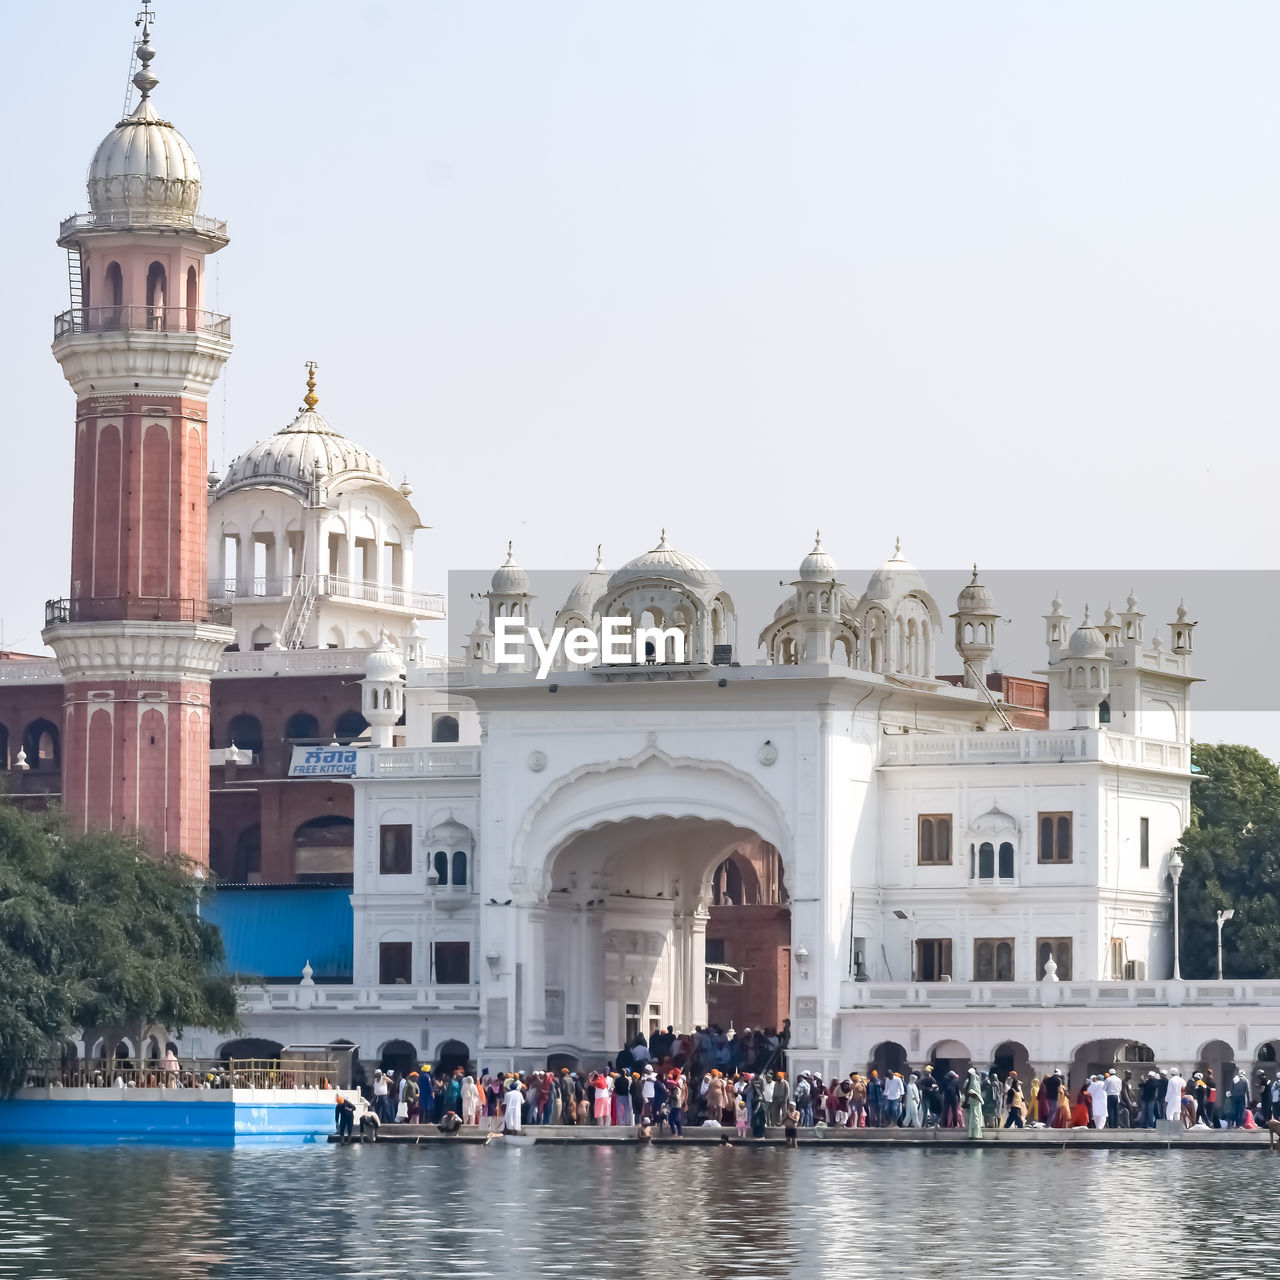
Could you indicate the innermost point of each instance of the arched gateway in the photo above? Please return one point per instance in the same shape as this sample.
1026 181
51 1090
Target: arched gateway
619 861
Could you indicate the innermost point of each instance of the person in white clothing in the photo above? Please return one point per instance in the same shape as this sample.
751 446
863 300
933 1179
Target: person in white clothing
911 1113
470 1101
1173 1095
512 1101
1098 1102
1113 1085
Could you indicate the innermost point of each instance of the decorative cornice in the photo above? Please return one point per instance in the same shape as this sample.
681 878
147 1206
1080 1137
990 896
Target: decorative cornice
131 362
137 650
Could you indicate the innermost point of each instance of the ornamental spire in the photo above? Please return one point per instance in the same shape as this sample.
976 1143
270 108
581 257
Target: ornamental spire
311 399
145 79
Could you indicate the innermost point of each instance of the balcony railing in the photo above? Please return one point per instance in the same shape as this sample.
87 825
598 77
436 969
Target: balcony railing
420 762
1031 746
200 222
132 609
1101 994
29 671
136 318
334 586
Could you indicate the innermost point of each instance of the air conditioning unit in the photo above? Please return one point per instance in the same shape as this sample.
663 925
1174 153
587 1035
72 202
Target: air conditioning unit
1135 971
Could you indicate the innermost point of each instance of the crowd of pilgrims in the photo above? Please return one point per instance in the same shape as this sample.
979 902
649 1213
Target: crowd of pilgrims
710 1078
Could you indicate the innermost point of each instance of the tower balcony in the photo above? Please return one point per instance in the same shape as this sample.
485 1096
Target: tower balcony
140 319
198 224
133 609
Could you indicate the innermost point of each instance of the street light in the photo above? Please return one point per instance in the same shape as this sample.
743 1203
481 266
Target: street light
1175 874
433 879
1223 917
911 955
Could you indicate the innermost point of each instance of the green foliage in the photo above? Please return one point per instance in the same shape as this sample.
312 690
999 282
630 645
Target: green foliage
95 934
1232 856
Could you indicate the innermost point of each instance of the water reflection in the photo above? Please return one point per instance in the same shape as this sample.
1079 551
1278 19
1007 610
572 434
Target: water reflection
740 1213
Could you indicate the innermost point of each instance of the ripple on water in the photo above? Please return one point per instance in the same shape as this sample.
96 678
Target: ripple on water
738 1213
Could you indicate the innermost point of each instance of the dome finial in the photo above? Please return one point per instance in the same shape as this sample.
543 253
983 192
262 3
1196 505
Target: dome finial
145 79
817 542
311 399
599 554
897 548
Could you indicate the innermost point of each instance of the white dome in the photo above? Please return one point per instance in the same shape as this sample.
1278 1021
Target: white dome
307 448
975 598
817 566
509 579
590 587
384 661
144 170
1087 641
665 561
896 578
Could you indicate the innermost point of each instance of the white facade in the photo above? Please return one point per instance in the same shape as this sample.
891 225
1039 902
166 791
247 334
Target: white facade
575 827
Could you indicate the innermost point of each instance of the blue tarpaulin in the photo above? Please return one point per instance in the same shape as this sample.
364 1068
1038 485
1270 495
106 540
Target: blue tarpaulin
271 931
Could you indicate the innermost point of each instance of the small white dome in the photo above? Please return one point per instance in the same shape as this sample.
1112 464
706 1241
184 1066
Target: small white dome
384 661
817 566
896 578
1087 641
590 587
144 170
975 598
664 561
509 579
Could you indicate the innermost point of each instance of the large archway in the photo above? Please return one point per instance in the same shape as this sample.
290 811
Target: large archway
631 946
1011 1055
622 857
1100 1056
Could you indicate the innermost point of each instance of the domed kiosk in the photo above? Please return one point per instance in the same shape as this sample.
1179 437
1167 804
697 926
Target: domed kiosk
311 541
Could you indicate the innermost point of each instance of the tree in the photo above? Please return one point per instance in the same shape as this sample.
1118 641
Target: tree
1231 853
95 934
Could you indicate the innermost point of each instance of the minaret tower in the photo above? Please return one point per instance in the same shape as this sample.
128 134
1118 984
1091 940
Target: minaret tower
134 640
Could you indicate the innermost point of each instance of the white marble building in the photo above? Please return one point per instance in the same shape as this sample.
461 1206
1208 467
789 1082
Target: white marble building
959 886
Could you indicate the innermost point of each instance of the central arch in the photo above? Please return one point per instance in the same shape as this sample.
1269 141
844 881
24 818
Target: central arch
621 858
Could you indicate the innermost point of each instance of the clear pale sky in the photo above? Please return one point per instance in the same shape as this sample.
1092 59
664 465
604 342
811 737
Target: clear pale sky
998 277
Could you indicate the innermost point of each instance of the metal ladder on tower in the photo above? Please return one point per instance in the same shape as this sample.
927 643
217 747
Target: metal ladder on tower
76 278
301 603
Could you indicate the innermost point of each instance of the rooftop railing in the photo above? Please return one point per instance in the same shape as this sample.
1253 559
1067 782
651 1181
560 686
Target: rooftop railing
191 1073
137 318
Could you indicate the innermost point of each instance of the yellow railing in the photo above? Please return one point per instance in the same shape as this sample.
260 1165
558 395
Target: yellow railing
191 1073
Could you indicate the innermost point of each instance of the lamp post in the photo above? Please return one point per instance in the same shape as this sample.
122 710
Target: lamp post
1175 874
199 879
1223 917
912 976
433 879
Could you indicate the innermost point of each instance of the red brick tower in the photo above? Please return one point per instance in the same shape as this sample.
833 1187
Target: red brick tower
135 640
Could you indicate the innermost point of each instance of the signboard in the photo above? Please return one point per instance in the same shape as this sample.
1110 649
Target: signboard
330 761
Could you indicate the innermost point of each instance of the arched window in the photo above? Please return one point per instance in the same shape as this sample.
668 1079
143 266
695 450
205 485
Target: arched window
986 861
386 699
113 297
373 699
156 296
349 726
301 725
1004 961
245 731
440 865
1006 861
459 868
193 297
42 743
445 729
1104 712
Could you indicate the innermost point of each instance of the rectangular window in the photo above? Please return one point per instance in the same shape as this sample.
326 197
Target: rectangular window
933 840
715 951
655 1019
993 960
1060 950
1144 842
395 849
632 1028
933 959
453 963
395 963
1055 837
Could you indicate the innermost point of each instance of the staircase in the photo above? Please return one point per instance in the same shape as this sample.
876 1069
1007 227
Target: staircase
301 604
